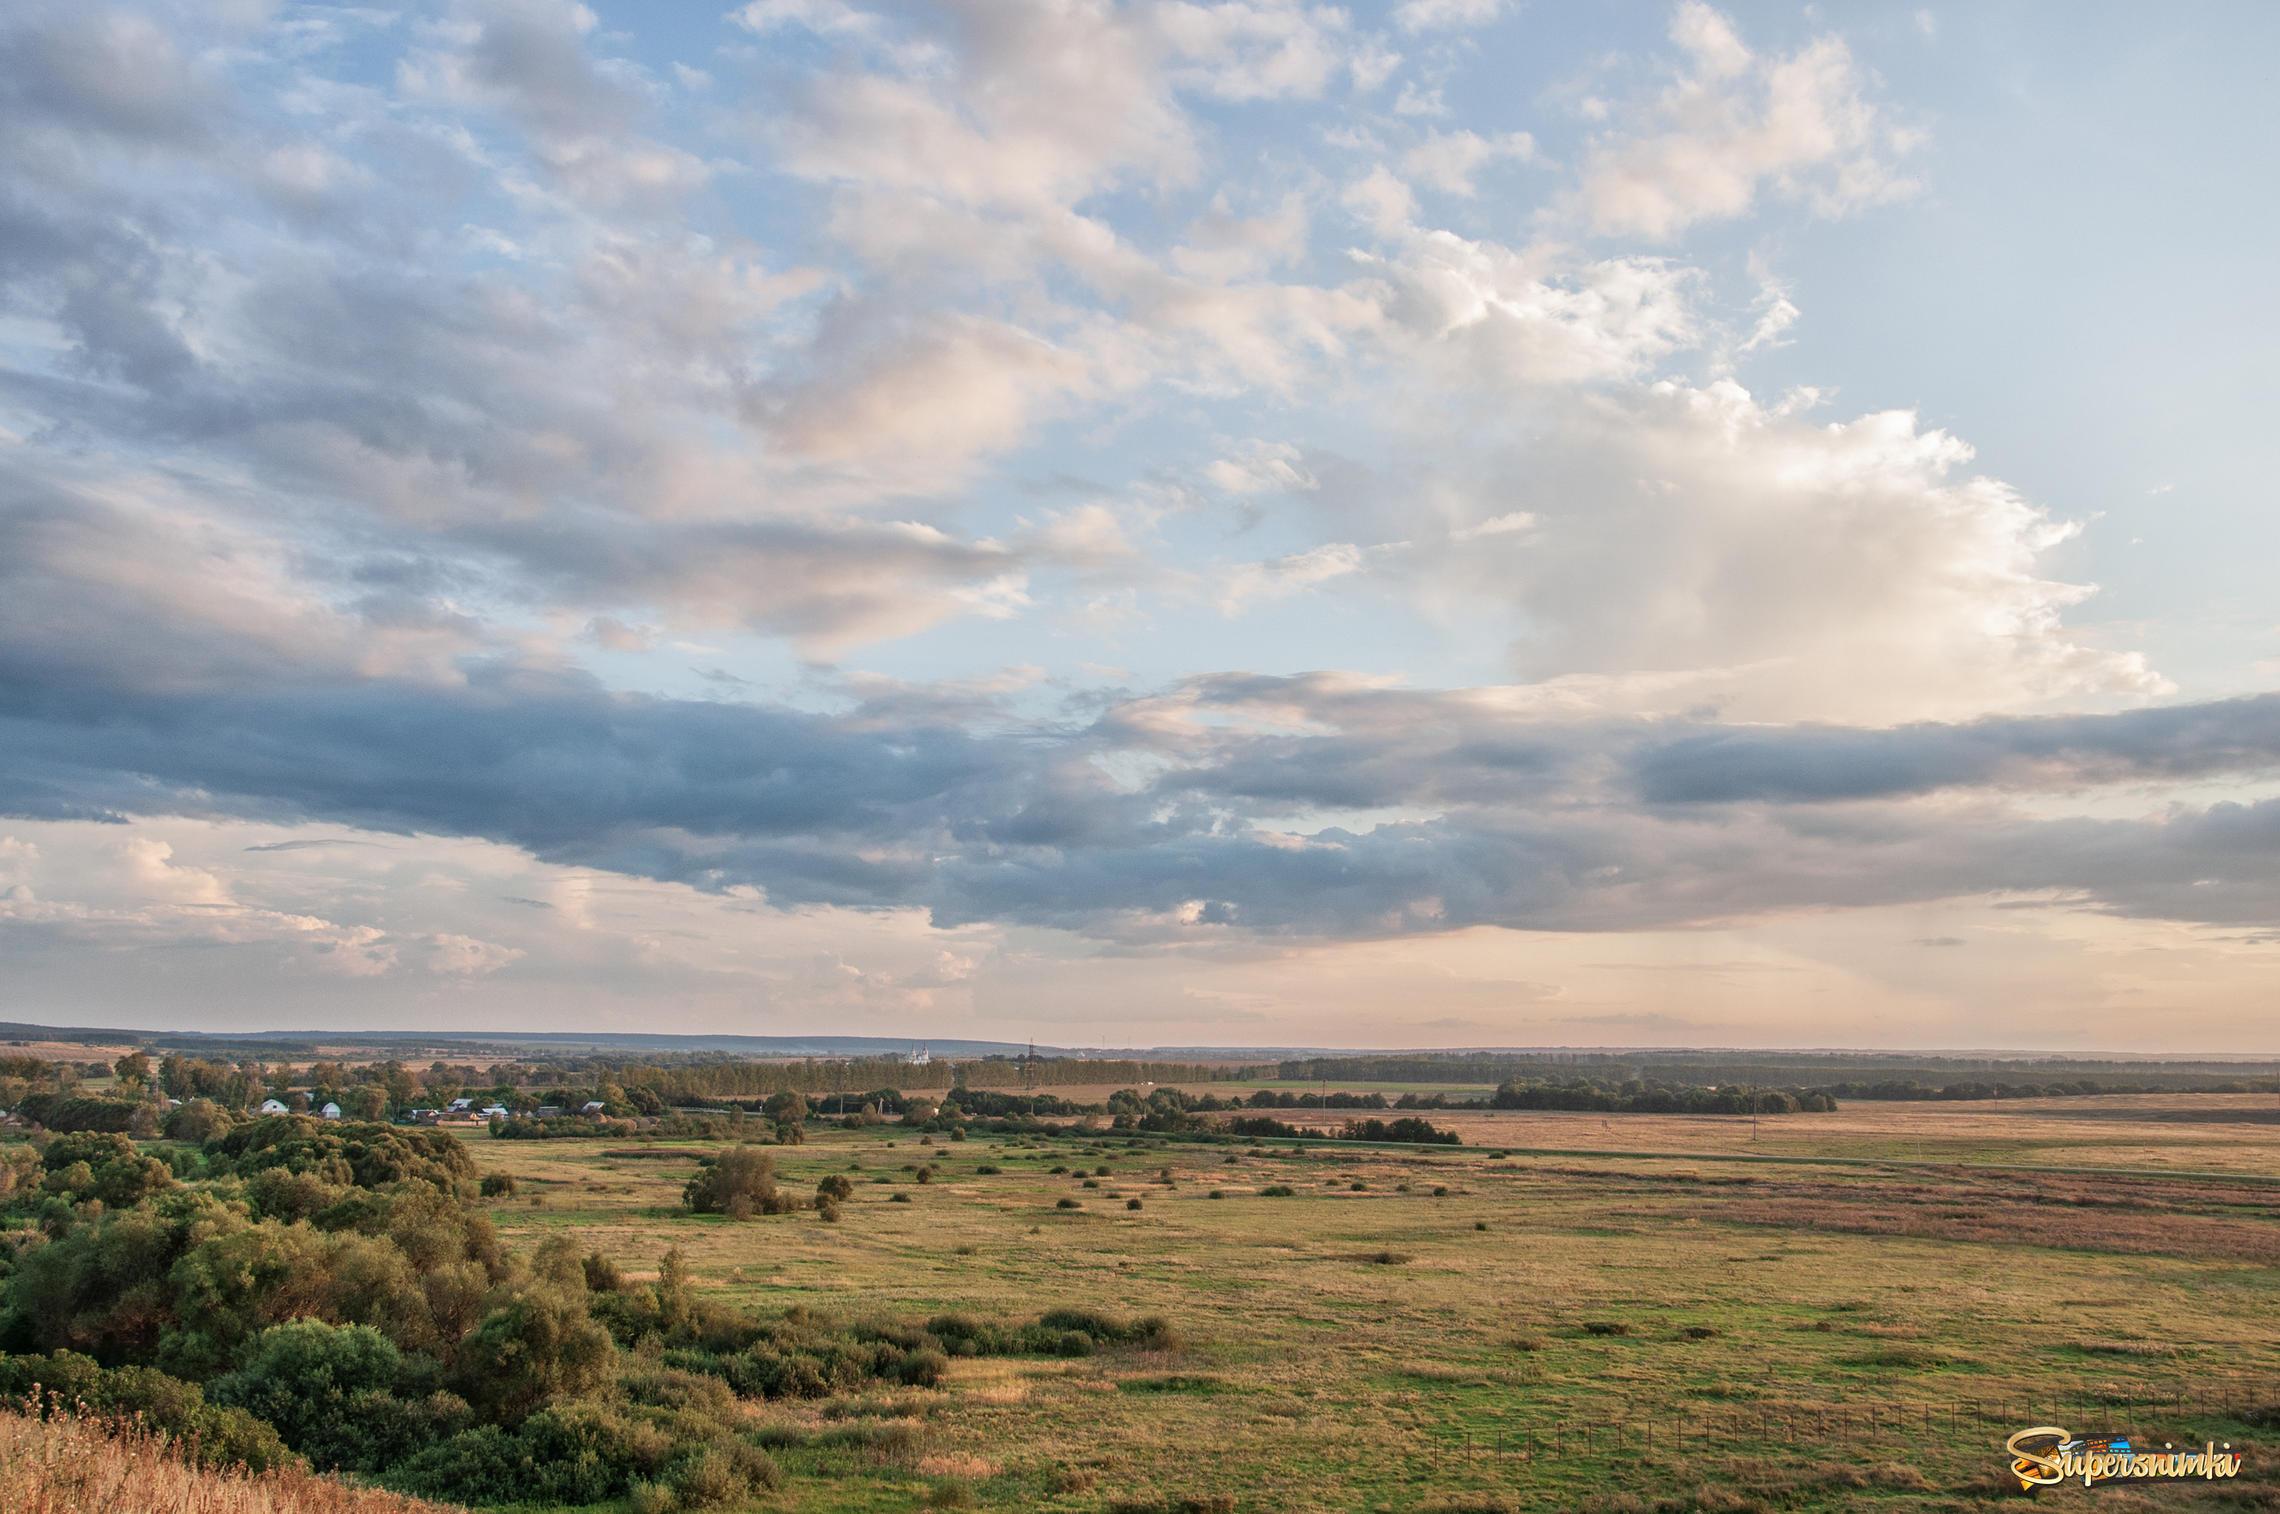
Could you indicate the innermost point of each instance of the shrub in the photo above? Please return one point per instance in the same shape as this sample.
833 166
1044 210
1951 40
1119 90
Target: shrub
602 1275
584 1453
498 1185
102 1165
1702 1332
827 1210
1606 1327
835 1187
898 1197
1216 1193
1278 1191
1132 1203
225 1436
365 1155
199 1121
739 1184
720 1475
330 1392
1069 1204
64 1111
537 1345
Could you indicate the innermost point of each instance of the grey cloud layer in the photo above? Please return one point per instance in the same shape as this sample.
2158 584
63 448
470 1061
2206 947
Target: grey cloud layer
1540 823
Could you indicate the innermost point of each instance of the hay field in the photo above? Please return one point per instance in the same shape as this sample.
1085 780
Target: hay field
1856 1323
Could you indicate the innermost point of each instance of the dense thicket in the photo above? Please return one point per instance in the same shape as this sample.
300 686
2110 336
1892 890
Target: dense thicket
293 1287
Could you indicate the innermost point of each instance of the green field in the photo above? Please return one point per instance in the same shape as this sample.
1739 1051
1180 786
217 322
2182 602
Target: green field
1791 1334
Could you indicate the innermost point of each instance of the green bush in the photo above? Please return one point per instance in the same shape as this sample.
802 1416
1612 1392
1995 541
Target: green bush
200 1120
102 1165
364 1155
65 1111
223 1435
739 1183
498 1185
331 1393
583 1453
538 1345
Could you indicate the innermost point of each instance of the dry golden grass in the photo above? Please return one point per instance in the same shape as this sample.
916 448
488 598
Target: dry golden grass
63 1465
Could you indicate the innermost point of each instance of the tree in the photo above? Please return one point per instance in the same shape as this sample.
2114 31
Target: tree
199 1120
325 1388
134 1069
739 1184
539 1344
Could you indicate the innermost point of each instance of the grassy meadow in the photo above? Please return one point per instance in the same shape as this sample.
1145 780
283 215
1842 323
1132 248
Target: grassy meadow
1840 1311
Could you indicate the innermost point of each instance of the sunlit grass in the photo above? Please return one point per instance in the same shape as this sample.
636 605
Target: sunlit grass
1342 1344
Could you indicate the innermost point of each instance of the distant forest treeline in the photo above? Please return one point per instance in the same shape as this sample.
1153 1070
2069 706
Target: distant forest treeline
751 1079
1844 1077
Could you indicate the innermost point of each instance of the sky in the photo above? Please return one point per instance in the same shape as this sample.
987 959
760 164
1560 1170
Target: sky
1441 523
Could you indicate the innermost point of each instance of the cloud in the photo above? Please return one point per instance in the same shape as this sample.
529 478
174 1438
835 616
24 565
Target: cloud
109 72
466 957
1248 584
1525 813
1734 123
1261 467
1449 161
2052 753
1435 15
1846 571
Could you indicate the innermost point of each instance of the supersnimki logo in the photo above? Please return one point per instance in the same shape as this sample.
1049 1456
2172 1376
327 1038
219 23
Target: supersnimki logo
2047 1455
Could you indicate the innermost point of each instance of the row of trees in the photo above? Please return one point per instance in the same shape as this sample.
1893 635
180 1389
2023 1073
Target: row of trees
1634 1096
